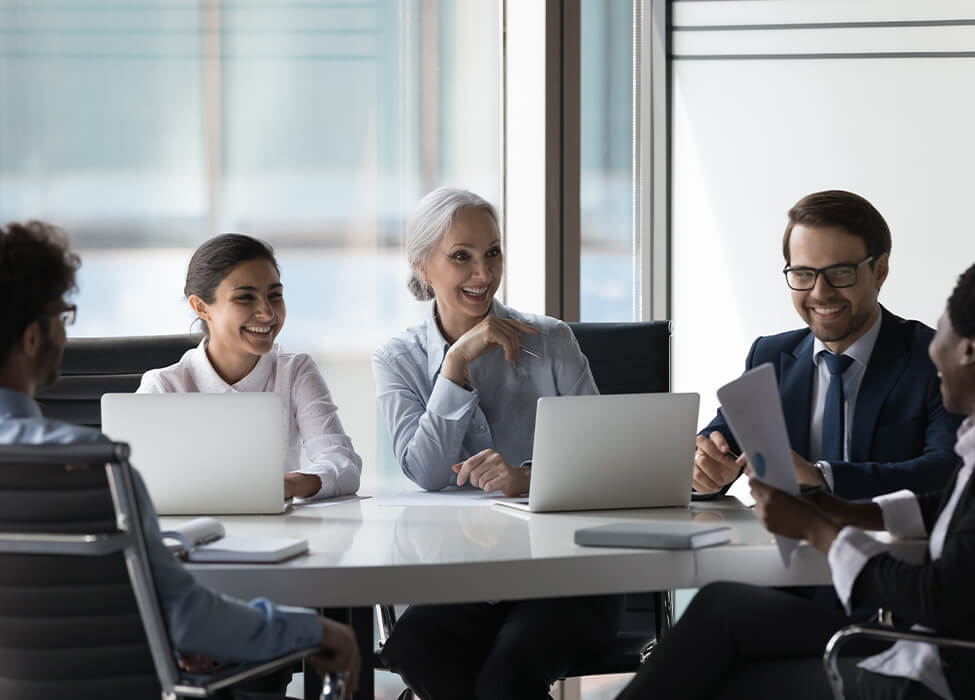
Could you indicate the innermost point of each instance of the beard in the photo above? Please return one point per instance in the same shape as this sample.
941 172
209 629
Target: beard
49 362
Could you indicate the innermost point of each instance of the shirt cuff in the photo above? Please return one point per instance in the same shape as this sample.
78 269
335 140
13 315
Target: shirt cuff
827 470
902 514
849 553
450 401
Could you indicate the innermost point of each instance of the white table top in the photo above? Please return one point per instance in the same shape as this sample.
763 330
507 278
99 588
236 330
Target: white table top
365 552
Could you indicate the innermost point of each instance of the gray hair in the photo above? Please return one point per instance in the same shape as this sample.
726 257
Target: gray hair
430 221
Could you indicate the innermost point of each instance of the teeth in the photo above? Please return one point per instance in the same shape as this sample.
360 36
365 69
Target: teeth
258 329
826 310
474 290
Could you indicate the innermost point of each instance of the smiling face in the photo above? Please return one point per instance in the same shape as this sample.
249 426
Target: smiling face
954 358
838 317
246 314
465 268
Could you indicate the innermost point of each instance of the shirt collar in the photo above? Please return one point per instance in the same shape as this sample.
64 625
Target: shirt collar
15 404
437 345
965 447
861 350
256 379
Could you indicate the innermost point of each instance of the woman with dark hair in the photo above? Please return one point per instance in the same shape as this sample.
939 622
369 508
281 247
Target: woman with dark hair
234 287
739 641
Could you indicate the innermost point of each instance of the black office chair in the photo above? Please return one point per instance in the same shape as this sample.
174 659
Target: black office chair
885 634
80 614
95 366
625 358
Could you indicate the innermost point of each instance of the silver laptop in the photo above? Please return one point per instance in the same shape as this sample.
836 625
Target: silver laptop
203 454
611 451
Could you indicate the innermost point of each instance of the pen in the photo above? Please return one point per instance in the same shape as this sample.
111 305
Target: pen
529 351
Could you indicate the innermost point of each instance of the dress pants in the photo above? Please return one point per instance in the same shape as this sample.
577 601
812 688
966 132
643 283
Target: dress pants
737 641
502 651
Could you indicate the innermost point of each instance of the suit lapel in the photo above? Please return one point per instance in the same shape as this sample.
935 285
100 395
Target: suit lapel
886 365
796 391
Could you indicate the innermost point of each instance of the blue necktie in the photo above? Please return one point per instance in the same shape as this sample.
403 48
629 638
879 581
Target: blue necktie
834 425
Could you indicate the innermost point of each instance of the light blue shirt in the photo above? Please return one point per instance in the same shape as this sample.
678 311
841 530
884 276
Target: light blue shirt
434 423
199 620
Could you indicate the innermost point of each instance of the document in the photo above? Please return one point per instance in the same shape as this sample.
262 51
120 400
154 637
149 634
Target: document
205 540
753 408
654 535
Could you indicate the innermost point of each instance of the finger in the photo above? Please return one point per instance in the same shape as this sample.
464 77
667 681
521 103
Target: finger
510 341
718 438
703 483
742 460
457 467
750 473
720 471
468 465
486 470
519 326
710 448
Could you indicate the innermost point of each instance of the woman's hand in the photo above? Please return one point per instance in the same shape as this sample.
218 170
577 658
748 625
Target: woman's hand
489 333
488 471
300 485
784 514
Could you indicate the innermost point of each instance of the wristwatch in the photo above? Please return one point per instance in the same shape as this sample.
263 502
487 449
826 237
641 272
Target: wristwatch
821 466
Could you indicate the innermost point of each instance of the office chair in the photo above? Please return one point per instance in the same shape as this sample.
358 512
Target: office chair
625 358
80 616
883 633
95 366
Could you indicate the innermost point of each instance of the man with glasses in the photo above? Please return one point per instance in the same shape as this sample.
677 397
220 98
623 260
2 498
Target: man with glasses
860 395
37 269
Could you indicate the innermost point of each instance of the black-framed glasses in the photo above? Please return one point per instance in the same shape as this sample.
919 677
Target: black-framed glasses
841 275
66 315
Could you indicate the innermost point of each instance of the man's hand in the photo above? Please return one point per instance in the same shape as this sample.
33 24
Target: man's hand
806 473
488 471
340 654
784 514
714 464
195 663
299 485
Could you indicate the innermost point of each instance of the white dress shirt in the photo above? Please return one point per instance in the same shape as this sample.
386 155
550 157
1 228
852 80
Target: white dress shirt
309 416
435 423
860 351
852 548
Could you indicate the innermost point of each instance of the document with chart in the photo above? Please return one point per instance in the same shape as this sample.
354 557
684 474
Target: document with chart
753 409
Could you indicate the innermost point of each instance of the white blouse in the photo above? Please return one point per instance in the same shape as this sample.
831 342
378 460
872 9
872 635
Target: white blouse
308 412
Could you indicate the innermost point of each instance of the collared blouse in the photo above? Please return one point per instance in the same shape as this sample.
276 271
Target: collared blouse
309 415
435 423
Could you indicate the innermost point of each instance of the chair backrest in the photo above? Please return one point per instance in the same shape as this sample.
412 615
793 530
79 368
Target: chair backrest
78 613
627 358
95 366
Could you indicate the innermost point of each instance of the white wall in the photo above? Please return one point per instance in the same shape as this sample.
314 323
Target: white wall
753 133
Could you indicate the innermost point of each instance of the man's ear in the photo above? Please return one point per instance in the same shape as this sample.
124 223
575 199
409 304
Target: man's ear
31 340
881 268
967 352
199 307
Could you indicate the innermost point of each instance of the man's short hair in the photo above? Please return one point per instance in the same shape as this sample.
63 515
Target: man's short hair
841 209
961 305
37 268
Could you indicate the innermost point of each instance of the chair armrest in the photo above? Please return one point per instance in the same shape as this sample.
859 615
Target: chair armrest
205 685
832 651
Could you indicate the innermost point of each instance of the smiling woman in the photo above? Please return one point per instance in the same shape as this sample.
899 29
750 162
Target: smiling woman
233 286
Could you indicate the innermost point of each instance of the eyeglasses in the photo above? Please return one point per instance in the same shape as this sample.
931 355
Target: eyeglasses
841 275
66 315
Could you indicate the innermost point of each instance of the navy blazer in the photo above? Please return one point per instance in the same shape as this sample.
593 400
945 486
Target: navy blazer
902 437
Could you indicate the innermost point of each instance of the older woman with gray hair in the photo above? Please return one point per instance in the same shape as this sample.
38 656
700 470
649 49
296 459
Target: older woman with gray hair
458 394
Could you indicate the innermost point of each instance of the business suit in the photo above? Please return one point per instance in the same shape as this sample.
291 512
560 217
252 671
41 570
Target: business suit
901 435
732 643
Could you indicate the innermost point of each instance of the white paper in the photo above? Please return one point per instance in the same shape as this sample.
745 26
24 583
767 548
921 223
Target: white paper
454 497
753 408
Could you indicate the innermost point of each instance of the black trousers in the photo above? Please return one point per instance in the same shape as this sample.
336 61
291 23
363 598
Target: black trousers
503 651
736 641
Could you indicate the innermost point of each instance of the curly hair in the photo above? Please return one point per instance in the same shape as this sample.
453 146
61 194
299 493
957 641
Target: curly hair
961 305
37 268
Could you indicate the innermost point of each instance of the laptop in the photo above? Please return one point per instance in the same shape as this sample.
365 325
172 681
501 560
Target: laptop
203 454
611 451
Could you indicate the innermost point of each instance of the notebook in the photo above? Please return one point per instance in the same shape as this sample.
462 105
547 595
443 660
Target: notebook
203 454
654 535
611 451
205 540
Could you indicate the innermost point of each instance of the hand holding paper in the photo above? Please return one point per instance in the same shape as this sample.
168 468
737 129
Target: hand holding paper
753 409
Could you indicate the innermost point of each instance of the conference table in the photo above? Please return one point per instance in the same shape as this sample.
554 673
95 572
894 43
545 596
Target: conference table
460 547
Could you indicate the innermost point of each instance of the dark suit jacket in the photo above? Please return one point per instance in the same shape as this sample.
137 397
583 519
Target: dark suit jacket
902 436
936 594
